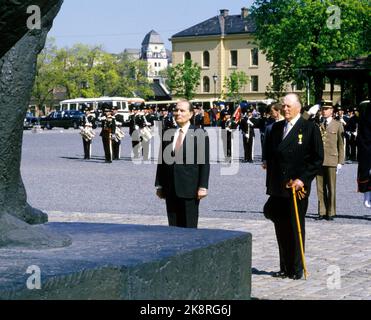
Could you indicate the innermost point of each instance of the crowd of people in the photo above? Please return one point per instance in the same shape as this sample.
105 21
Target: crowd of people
298 146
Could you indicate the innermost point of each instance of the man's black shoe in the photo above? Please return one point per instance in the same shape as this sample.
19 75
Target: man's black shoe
279 274
296 276
321 217
330 218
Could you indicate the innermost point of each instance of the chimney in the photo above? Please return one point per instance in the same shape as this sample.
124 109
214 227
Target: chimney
224 12
244 12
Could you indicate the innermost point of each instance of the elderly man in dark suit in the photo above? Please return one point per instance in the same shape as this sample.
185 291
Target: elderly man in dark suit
294 156
183 170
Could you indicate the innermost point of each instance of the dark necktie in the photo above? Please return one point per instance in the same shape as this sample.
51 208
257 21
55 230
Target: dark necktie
325 124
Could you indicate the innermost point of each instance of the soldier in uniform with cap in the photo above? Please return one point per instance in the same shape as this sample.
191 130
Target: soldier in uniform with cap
351 135
134 129
87 124
248 135
108 129
116 142
198 116
332 133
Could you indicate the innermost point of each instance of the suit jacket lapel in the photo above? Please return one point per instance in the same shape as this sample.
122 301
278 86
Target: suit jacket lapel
292 135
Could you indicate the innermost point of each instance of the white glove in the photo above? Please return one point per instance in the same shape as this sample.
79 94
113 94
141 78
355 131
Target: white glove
136 127
250 123
313 110
354 133
338 167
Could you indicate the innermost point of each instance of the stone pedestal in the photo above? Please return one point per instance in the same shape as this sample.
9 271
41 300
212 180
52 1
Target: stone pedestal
129 262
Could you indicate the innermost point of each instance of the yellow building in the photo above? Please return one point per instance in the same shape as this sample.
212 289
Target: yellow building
221 45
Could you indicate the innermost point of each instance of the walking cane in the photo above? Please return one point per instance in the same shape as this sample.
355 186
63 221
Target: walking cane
299 232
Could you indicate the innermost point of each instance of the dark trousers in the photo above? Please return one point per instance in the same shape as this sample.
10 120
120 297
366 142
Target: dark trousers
107 146
182 212
87 148
116 149
247 147
350 147
227 143
287 232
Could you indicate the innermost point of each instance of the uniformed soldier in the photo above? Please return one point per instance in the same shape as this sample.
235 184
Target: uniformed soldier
248 134
134 130
227 127
351 135
145 123
87 124
168 118
108 129
116 141
332 133
198 116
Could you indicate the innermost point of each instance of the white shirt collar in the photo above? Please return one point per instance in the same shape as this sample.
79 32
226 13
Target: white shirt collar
293 121
184 129
329 119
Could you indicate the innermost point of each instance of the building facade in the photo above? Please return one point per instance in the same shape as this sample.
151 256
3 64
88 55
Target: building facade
155 54
221 45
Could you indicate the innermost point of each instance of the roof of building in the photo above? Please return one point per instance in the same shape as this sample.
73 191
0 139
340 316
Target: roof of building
222 24
160 92
152 37
132 51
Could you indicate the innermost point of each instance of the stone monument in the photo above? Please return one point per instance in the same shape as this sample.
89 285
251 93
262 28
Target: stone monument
19 48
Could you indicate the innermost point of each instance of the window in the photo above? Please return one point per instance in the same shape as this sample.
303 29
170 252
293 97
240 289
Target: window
255 57
187 56
206 84
155 64
159 64
254 83
206 59
233 58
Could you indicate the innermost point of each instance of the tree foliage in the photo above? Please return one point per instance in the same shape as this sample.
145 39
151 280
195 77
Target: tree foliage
88 71
234 84
184 78
310 33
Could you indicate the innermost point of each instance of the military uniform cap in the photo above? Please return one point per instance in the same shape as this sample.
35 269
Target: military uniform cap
327 103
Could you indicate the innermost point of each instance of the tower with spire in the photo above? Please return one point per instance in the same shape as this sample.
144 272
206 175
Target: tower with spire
154 52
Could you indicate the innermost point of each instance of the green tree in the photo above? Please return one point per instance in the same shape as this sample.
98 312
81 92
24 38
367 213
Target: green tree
234 84
89 71
310 33
184 78
47 77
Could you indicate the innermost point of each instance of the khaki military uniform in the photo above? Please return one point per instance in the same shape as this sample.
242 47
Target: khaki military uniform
333 145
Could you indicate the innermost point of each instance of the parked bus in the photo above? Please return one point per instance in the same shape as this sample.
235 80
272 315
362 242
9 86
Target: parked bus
121 102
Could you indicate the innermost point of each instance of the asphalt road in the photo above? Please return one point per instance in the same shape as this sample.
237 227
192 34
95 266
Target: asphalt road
58 179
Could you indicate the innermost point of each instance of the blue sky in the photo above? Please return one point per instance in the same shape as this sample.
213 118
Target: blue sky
120 24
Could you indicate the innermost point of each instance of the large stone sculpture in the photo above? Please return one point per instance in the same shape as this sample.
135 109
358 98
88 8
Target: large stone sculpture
18 55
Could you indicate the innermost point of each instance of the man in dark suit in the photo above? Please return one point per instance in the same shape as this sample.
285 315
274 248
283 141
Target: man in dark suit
182 176
294 155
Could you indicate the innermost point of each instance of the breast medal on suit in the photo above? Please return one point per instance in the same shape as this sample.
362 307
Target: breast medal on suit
181 173
333 144
298 156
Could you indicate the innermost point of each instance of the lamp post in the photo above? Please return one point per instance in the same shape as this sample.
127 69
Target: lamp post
215 78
